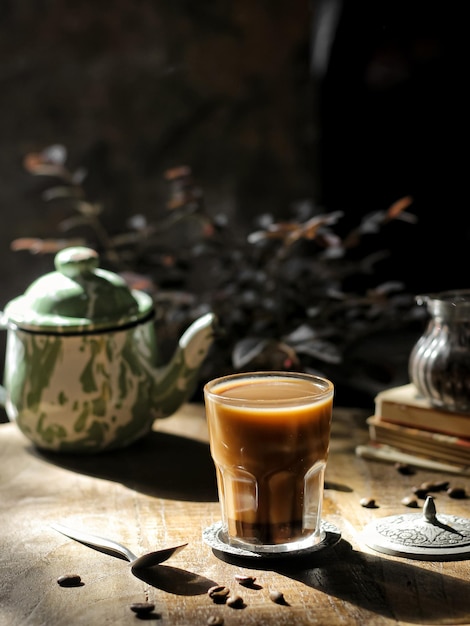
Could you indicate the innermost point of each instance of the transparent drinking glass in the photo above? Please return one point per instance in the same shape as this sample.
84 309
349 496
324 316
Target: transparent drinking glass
269 438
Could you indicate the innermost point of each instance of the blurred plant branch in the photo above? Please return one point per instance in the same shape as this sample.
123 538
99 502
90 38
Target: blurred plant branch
279 292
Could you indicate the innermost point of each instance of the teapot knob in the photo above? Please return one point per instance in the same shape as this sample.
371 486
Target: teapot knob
73 262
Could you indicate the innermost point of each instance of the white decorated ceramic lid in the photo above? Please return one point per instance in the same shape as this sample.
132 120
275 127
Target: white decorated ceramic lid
78 297
425 536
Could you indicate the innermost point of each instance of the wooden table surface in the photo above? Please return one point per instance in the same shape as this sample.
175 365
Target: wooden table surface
162 491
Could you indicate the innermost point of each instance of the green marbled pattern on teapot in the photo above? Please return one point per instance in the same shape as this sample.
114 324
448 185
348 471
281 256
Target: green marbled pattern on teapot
91 392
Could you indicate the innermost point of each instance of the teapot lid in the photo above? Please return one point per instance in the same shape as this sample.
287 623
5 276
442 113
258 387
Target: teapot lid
77 297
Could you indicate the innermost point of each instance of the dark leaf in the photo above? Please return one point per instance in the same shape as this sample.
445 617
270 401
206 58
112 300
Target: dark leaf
79 176
301 334
321 350
55 154
399 206
73 222
44 246
65 191
246 350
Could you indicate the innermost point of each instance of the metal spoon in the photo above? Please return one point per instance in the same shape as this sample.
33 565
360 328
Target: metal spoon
116 549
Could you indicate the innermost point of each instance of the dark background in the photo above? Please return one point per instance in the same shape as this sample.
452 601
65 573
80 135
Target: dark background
350 105
393 102
133 88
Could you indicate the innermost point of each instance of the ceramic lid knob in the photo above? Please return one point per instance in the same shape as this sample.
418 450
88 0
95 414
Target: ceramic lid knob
75 261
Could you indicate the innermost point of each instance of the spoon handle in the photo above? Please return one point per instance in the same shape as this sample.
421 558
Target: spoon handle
101 543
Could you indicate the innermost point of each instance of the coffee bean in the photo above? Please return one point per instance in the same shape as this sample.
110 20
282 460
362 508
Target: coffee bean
70 580
457 492
420 492
410 501
235 601
246 581
142 608
429 486
442 485
368 503
219 593
215 620
277 597
426 486
404 469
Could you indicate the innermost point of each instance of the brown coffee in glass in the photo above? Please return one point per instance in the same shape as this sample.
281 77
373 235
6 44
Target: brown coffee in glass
269 437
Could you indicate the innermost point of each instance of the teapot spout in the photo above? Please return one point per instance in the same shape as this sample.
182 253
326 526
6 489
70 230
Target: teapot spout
177 381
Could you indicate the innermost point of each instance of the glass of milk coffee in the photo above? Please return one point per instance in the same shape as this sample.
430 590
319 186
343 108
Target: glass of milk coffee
269 438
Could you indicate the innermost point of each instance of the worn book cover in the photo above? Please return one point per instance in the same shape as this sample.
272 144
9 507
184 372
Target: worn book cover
403 405
437 445
390 454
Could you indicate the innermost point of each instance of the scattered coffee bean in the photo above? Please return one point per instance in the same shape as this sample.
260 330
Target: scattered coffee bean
404 469
219 593
142 608
368 503
215 620
246 581
277 597
410 501
426 486
420 492
70 580
429 486
457 492
235 601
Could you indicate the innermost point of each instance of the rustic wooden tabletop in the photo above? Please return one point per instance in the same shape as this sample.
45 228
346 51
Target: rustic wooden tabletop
162 492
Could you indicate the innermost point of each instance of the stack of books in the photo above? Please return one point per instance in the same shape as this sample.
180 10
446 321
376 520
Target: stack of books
406 424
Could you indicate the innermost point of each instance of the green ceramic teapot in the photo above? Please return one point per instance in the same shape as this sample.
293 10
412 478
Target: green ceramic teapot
80 369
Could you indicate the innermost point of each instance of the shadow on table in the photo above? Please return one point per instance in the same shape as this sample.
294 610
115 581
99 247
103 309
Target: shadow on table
373 582
161 465
174 580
